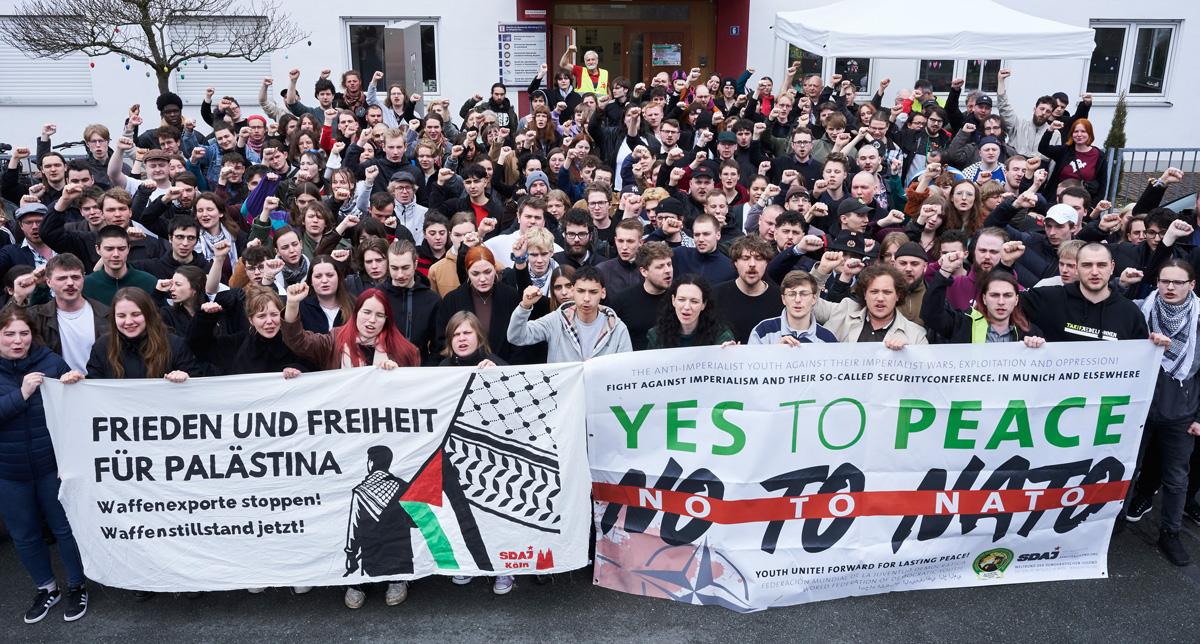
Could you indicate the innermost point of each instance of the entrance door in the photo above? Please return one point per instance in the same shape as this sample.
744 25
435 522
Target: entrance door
664 51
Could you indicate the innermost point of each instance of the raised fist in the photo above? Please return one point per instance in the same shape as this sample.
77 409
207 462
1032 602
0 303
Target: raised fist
297 292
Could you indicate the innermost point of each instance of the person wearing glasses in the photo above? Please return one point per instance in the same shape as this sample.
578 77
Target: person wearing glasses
795 326
1172 313
800 159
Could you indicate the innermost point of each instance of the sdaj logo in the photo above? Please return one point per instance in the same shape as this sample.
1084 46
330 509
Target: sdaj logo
991 564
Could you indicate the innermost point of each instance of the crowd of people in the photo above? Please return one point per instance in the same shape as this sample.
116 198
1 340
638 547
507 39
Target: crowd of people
361 225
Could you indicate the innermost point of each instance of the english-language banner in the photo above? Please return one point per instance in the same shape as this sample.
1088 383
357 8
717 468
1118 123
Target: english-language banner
751 477
331 478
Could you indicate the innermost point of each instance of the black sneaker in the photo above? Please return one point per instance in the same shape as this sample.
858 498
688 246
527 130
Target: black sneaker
1172 548
42 603
1138 507
77 600
143 595
1191 510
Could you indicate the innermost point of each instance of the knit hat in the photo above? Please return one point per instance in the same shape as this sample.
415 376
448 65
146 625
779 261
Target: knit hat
911 249
534 177
990 139
168 98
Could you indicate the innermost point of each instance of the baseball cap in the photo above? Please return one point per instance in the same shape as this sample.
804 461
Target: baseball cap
703 172
31 209
984 100
671 205
849 242
1063 214
853 205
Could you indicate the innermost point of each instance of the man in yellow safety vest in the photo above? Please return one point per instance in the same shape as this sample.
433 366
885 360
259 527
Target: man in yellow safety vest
590 77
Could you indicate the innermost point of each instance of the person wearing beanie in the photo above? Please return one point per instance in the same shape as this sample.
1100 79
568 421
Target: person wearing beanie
537 184
170 109
989 162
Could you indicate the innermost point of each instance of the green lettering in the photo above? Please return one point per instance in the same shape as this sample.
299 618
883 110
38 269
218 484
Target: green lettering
675 423
795 404
1106 418
862 423
735 432
631 427
1018 413
955 423
1053 435
905 424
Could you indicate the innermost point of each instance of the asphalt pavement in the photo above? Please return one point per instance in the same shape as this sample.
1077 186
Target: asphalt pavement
1146 599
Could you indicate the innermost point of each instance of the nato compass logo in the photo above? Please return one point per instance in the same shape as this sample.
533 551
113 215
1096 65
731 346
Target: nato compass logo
991 564
707 577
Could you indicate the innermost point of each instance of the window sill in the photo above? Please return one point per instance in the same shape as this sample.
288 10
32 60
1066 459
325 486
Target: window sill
47 102
1111 101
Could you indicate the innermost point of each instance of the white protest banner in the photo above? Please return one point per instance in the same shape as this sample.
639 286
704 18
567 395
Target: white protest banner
331 478
751 477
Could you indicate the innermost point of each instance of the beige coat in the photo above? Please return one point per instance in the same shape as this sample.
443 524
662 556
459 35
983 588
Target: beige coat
846 318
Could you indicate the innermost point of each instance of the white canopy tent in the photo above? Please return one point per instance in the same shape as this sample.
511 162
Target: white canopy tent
890 29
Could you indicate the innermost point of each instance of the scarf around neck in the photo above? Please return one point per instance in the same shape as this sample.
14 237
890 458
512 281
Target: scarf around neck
1177 322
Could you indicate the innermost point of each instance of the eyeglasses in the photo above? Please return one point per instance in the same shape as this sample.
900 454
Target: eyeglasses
1174 283
797 295
1154 233
597 204
802 142
583 235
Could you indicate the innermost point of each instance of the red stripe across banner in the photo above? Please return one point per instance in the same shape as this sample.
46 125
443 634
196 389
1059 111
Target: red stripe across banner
859 504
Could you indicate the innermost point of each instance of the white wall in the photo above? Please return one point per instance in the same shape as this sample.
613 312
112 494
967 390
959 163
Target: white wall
1155 124
466 50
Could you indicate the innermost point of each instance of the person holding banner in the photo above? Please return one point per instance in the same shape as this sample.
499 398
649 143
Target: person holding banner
689 321
576 331
28 471
1169 441
138 344
996 316
796 325
466 343
258 350
871 315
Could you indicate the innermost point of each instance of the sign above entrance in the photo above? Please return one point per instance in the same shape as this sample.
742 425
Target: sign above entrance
520 51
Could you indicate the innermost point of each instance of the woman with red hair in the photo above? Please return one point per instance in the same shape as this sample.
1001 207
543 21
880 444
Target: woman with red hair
1077 160
371 339
485 295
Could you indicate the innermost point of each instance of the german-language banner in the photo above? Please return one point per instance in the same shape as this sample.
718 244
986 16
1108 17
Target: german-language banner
751 477
331 478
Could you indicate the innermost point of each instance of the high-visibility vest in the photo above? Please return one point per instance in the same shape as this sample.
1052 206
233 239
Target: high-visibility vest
585 82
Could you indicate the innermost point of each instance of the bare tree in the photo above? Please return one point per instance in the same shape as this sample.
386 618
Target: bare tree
160 33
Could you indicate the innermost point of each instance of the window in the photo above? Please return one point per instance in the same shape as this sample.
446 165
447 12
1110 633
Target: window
236 77
43 81
857 70
1132 57
979 74
405 50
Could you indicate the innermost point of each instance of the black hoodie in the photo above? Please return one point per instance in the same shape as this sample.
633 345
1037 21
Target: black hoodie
415 312
1064 315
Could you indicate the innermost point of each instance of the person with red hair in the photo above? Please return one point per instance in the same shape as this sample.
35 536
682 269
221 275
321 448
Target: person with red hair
371 339
487 296
1077 160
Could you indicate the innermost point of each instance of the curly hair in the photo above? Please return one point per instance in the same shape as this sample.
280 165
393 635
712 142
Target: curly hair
708 325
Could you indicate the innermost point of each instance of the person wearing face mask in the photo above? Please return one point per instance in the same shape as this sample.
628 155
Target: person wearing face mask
1169 453
691 320
29 482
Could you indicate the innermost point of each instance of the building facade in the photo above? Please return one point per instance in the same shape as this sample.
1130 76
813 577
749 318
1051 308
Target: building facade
448 48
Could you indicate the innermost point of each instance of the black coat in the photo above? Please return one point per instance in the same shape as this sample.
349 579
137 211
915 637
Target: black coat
26 452
415 311
241 352
505 301
180 358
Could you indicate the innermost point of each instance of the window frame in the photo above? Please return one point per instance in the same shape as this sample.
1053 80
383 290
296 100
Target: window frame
960 71
1132 29
829 66
384 21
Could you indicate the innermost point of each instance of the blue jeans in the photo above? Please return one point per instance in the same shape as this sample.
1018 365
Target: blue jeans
22 504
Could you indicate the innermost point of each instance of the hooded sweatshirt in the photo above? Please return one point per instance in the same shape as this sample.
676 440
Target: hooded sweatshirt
1064 315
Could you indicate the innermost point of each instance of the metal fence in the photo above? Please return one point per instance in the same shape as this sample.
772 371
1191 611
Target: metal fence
1130 168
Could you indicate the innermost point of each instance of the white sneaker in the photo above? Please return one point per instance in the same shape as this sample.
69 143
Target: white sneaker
300 590
503 584
355 598
460 580
397 592
257 591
